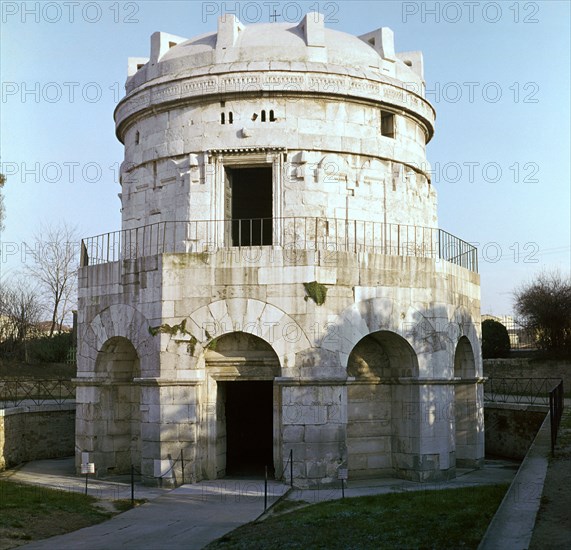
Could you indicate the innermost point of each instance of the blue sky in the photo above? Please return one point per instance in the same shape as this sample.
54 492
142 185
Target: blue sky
498 75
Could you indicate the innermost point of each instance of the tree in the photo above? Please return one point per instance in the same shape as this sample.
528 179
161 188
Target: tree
495 339
20 311
545 307
53 264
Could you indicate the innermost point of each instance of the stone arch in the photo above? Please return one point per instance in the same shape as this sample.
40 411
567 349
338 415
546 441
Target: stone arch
466 418
379 435
117 360
242 433
372 315
243 355
120 320
117 423
250 316
464 361
384 355
462 324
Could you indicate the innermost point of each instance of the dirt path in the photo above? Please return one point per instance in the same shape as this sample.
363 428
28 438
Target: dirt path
553 523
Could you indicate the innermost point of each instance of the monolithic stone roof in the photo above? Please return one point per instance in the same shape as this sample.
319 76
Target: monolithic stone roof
235 47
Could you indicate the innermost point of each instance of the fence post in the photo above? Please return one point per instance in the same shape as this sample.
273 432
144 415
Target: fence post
291 467
265 487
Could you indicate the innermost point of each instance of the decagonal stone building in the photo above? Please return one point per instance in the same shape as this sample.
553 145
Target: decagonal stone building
280 284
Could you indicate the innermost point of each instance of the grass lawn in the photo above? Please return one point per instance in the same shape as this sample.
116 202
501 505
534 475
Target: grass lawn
30 512
450 518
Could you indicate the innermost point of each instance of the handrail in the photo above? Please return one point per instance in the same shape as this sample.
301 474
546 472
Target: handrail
556 405
523 391
15 392
298 233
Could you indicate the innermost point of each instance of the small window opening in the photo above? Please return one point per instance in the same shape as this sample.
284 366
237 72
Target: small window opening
272 117
263 116
388 124
254 116
172 45
223 104
137 137
372 41
222 118
140 65
408 62
230 118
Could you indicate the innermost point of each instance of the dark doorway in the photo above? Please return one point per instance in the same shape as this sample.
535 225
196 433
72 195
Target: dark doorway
249 428
249 205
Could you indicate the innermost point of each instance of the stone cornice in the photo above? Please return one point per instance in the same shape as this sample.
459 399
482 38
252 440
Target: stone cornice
157 96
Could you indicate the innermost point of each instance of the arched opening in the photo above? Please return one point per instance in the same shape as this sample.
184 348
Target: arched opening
243 431
379 429
465 404
118 442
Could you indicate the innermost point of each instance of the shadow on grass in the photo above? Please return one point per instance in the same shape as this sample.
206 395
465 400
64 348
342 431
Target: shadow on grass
450 518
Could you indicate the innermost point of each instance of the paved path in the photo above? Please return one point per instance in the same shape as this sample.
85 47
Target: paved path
192 516
186 518
59 473
512 525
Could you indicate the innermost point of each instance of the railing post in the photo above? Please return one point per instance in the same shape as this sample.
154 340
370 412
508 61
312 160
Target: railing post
132 485
291 467
265 487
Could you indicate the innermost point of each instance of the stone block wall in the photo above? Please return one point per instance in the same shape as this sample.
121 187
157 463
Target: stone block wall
511 428
424 307
36 432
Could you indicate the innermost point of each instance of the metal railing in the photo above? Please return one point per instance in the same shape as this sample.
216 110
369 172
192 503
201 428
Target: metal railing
556 404
529 391
15 392
523 391
298 233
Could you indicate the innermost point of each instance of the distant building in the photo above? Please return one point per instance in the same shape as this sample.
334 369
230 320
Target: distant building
280 282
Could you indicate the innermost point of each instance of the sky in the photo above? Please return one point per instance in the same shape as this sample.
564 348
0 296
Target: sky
497 73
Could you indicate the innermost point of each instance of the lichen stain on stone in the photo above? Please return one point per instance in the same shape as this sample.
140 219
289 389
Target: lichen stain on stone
165 328
316 291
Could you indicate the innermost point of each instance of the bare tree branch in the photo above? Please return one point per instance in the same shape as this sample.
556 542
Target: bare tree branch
20 311
53 263
545 305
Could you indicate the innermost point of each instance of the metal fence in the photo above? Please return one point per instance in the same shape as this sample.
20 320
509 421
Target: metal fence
324 234
529 391
525 391
15 392
521 337
556 404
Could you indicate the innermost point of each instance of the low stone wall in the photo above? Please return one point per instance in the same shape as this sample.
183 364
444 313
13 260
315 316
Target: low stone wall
529 368
511 428
36 432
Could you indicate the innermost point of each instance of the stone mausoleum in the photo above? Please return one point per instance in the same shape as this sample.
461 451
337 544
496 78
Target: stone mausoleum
280 283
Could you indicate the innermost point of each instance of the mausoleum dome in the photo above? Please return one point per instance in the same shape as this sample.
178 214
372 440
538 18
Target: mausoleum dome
276 42
308 45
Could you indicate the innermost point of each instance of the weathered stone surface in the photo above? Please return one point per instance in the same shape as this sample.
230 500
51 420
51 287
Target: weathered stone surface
341 300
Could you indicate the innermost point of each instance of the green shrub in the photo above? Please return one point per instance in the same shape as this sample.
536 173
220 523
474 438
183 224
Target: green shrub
495 339
50 350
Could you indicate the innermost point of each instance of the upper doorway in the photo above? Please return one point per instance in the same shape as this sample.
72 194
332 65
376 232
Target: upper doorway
248 205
